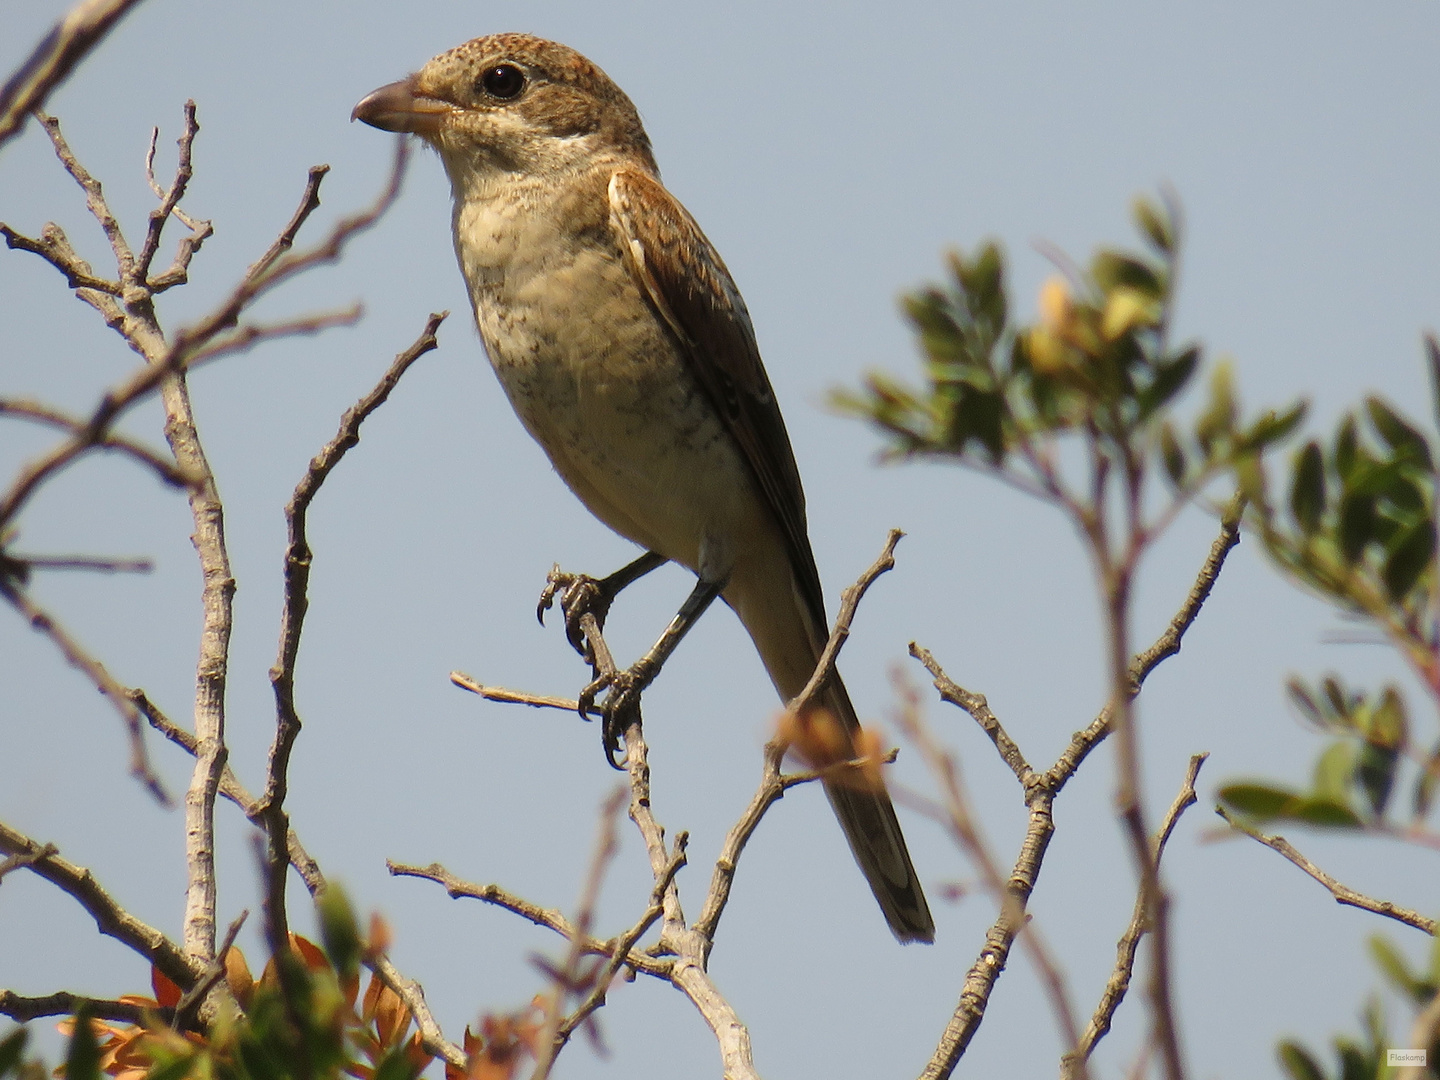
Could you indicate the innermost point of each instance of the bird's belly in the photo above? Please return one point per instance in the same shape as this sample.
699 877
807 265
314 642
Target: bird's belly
601 386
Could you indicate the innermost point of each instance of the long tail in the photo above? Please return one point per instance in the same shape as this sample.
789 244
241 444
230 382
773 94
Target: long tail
790 634
868 818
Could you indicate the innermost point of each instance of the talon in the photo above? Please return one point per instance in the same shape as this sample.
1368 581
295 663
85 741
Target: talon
586 700
554 582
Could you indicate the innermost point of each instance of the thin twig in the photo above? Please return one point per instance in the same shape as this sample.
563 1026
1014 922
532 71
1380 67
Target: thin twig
81 29
1343 894
411 993
111 919
515 697
549 918
100 678
63 1003
568 978
1129 944
298 559
165 468
849 602
1040 794
232 789
19 862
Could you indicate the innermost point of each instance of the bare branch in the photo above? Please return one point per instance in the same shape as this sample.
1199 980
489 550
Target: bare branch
1039 796
515 697
569 978
979 710
248 335
1129 945
110 918
232 789
19 862
961 822
54 247
94 197
298 558
411 993
50 63
76 656
549 918
849 601
620 952
166 469
170 203
24 1009
1343 894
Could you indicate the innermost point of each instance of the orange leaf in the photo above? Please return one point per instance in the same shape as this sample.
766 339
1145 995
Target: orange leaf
309 952
372 998
380 935
166 992
391 1017
417 1055
237 975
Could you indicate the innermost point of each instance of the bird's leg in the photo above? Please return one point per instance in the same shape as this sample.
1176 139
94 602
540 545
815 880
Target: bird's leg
581 594
621 706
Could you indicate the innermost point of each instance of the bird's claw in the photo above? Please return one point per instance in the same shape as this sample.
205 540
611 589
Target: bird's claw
618 711
580 595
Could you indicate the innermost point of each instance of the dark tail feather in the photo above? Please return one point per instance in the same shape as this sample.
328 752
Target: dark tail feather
868 818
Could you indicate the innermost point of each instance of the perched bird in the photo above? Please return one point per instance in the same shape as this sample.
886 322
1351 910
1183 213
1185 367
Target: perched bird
626 350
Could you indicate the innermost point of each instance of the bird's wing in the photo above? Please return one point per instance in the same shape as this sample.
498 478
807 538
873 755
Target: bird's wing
685 279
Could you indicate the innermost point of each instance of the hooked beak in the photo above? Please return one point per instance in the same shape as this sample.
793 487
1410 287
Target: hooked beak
401 107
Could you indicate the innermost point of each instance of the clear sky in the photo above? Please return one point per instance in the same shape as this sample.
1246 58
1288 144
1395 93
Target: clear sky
832 153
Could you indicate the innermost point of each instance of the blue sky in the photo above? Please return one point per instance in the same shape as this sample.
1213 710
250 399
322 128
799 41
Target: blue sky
832 155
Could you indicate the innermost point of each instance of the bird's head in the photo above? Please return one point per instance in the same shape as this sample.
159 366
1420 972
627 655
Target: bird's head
515 103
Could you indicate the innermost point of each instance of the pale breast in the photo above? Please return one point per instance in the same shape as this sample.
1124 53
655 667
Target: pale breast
596 379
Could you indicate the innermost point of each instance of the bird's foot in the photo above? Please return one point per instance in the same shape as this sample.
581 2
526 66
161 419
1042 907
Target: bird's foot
621 706
580 595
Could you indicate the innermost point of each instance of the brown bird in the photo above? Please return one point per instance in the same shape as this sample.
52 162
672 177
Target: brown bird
627 352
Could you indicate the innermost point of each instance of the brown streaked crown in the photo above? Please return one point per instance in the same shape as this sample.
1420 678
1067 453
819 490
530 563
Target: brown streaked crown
564 95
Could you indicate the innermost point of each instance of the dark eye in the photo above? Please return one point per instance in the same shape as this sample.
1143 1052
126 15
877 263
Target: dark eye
503 81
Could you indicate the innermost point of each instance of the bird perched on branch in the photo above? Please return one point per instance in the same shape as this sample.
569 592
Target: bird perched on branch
626 350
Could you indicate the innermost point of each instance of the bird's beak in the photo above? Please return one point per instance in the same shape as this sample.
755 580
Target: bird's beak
401 107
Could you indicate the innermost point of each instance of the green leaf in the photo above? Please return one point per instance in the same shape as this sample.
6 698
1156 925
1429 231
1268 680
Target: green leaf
1271 427
1375 772
11 1047
980 415
1412 552
1426 785
1259 801
1323 814
1297 1062
1333 771
1394 967
1359 525
984 283
82 1062
1307 491
1346 448
1388 724
1397 433
339 931
1218 419
1155 223
1114 269
940 335
395 1065
1171 376
1303 700
1432 353
1172 454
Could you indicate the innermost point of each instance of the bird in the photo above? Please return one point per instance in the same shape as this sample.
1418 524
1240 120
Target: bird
626 350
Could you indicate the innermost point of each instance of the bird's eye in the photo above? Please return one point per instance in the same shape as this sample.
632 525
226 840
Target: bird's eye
503 81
